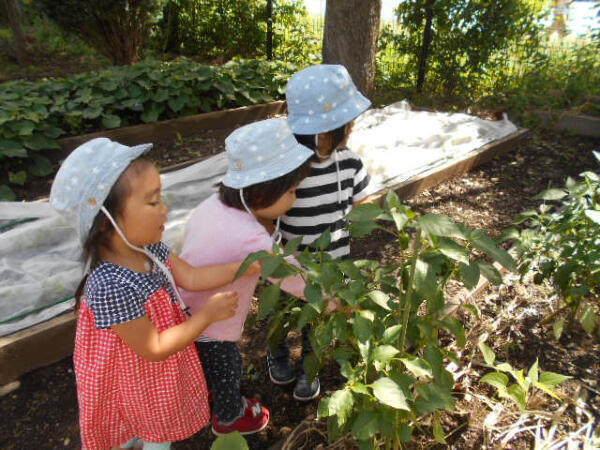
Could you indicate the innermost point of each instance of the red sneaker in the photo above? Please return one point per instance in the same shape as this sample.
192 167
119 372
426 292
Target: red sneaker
255 419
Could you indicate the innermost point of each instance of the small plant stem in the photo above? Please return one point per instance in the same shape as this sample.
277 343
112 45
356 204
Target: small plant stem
406 312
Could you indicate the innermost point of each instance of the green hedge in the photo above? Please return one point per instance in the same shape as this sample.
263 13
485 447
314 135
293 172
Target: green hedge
34 115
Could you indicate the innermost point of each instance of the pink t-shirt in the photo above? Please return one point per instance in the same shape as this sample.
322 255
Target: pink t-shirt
218 234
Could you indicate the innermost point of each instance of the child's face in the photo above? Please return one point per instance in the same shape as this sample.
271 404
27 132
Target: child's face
326 144
279 208
144 213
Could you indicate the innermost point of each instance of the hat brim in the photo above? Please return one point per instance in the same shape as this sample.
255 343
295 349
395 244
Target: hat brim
330 120
275 169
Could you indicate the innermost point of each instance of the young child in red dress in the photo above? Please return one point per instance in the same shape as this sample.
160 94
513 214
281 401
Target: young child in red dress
137 370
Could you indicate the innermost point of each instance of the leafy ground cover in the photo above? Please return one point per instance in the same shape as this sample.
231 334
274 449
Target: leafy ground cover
42 413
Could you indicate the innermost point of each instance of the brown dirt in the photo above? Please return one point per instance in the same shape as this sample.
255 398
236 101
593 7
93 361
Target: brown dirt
42 413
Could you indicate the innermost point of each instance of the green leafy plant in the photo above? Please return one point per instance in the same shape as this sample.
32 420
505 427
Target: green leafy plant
520 391
561 244
230 441
116 28
389 332
33 115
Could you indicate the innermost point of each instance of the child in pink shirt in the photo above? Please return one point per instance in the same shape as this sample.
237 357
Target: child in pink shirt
266 163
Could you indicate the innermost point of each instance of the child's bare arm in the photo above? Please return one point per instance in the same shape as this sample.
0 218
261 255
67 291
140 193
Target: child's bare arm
145 340
205 278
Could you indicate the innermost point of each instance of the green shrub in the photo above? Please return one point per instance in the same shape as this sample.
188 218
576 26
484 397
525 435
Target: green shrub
562 245
389 334
116 28
33 115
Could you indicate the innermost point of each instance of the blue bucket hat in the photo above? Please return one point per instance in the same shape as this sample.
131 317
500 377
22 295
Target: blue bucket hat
322 98
86 177
262 151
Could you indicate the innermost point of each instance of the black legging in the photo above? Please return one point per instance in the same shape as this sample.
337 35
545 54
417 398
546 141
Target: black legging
222 364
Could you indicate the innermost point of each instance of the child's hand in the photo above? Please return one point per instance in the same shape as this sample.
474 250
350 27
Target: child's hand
221 305
254 268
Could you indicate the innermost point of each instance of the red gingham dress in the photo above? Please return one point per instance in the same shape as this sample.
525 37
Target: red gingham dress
120 394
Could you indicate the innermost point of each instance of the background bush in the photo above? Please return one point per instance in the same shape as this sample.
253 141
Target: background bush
33 115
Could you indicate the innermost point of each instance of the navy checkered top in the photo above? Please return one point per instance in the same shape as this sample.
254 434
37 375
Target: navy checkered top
116 294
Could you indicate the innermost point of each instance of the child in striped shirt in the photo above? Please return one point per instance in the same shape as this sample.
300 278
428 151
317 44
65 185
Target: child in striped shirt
322 105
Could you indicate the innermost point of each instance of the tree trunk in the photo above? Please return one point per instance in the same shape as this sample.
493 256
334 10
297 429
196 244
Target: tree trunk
350 39
14 19
426 45
269 30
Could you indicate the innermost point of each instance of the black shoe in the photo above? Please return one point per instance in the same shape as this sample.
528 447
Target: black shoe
280 370
304 391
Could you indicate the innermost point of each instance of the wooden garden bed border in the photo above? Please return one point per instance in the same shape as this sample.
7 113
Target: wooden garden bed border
52 340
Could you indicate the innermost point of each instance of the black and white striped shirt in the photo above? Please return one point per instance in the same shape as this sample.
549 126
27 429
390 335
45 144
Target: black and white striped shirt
321 205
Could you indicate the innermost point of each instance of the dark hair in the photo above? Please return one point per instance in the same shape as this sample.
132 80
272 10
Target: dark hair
102 228
338 135
263 195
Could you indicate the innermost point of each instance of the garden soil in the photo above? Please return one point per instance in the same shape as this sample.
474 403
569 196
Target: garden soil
42 412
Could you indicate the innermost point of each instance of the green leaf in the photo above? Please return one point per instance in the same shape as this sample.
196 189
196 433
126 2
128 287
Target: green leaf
92 112
270 265
380 298
440 225
19 177
341 404
230 441
152 112
253 257
516 393
552 379
391 334
313 292
40 142
557 328
292 246
364 213
40 166
551 194
400 219
360 229
363 325
384 353
12 149
366 425
25 128
389 393
453 250
111 121
6 194
268 300
433 397
160 96
588 319
323 241
469 274
418 367
533 372
307 315
425 281
593 215
177 103
487 245
490 272
496 379
438 431
488 354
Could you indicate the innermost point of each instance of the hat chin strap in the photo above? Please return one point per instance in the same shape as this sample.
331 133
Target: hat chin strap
276 236
152 257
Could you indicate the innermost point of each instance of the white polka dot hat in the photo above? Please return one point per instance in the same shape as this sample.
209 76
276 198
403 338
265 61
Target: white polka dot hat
322 98
86 177
262 151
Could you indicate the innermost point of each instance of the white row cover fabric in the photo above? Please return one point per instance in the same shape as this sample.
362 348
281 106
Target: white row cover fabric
40 264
